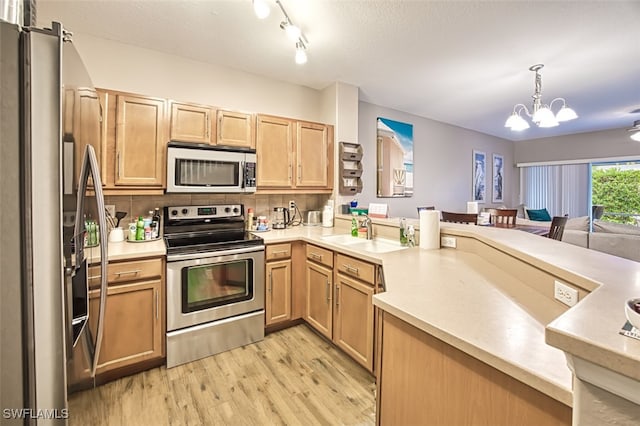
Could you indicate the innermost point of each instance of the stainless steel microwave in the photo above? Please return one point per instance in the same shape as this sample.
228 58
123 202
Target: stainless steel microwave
199 168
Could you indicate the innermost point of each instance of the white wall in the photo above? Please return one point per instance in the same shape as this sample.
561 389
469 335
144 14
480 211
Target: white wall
592 145
442 163
119 66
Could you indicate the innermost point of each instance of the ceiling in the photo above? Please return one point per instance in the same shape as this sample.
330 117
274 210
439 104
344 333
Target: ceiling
461 62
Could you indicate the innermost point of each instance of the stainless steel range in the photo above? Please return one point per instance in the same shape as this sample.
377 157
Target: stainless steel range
215 282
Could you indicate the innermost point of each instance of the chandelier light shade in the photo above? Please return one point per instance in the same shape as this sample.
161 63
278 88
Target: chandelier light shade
635 135
541 114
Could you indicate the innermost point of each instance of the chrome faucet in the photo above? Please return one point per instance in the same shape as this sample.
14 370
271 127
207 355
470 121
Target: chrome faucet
366 222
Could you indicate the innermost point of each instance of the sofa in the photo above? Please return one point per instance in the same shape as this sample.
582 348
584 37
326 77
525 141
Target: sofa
612 238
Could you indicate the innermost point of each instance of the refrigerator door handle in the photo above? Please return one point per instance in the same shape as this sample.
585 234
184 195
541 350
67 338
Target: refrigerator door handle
90 164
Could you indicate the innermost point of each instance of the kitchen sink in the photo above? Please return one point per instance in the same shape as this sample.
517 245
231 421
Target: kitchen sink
377 245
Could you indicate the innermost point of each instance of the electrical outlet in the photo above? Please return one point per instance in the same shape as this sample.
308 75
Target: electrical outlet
565 294
292 205
448 242
111 209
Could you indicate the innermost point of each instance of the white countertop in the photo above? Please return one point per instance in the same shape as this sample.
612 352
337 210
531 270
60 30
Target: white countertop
464 300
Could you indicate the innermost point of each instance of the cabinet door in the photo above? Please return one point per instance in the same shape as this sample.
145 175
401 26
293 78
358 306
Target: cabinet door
278 303
191 123
312 151
82 125
319 298
274 148
235 129
140 141
353 322
133 329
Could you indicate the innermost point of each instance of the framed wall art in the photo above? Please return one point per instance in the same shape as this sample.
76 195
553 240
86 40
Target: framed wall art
395 158
498 179
479 173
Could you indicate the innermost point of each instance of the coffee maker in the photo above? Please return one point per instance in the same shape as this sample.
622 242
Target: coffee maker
280 218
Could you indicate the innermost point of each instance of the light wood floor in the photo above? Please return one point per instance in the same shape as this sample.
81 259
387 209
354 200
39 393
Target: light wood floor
292 377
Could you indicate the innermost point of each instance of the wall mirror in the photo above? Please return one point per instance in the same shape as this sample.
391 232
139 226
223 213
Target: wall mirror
394 150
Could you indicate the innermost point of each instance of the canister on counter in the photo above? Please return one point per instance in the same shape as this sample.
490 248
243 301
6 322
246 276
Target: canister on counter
132 231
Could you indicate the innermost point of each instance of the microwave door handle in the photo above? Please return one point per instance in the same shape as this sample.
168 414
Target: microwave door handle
243 174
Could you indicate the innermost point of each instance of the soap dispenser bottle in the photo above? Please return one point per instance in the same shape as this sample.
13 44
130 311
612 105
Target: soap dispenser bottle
403 231
354 224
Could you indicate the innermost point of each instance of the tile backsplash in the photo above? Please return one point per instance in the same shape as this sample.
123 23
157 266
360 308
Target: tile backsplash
136 205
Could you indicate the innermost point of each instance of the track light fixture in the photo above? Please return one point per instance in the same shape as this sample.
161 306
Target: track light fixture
261 9
636 131
541 113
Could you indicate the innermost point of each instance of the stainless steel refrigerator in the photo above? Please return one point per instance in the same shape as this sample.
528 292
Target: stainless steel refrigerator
46 174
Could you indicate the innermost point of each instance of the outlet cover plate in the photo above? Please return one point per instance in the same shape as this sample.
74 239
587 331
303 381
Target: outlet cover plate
448 242
565 294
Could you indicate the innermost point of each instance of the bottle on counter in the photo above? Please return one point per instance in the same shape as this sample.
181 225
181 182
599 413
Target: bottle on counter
403 231
354 224
155 223
327 215
140 229
249 224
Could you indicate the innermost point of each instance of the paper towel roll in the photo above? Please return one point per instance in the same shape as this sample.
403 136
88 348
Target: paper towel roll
429 229
472 207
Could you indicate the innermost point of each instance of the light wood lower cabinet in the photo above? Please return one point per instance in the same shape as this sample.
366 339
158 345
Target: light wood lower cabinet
339 301
133 329
134 325
278 292
319 298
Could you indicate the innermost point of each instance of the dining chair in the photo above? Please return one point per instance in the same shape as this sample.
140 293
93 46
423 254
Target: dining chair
557 227
471 218
505 218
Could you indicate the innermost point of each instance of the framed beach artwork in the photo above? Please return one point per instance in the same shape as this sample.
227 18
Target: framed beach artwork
394 151
479 173
498 178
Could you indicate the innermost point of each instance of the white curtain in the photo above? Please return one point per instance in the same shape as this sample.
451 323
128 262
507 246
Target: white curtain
561 189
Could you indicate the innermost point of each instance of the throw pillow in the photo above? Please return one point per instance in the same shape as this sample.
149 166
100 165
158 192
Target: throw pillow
541 215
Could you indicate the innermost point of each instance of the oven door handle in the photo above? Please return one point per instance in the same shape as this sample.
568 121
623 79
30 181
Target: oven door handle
189 256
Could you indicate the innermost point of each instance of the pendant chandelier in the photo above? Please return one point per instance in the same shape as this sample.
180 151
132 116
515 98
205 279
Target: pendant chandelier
541 114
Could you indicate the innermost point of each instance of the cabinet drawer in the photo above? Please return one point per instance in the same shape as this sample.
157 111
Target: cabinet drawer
320 255
356 268
126 271
278 251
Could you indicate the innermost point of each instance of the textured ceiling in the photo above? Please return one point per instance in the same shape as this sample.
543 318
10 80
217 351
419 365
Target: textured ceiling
461 62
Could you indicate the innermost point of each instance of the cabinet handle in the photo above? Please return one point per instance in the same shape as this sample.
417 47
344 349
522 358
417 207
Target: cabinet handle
290 170
351 269
316 256
328 292
134 272
299 173
208 134
94 277
337 295
279 252
157 305
270 281
219 130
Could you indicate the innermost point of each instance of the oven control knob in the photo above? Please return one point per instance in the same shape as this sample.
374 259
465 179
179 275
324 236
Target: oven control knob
185 211
236 210
227 209
174 212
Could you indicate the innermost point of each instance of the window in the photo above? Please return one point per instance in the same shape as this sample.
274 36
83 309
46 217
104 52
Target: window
616 188
561 189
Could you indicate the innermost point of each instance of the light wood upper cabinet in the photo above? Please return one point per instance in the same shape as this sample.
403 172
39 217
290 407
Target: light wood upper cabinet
192 123
274 148
294 154
312 154
235 129
140 141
